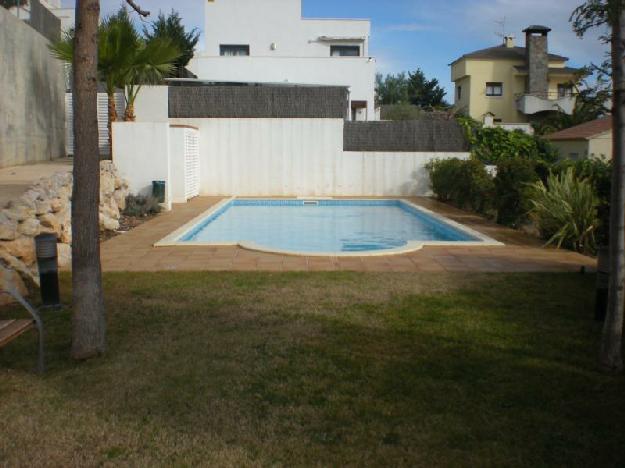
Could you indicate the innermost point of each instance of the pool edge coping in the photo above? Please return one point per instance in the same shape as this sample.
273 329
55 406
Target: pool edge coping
173 239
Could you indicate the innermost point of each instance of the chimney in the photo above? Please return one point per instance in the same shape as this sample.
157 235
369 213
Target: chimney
536 45
508 41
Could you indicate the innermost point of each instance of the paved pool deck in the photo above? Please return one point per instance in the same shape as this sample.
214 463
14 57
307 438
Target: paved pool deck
134 251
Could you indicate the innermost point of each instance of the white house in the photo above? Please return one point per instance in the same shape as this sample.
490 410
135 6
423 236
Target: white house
268 41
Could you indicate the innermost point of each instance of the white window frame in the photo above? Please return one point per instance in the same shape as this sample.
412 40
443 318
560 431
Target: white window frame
492 86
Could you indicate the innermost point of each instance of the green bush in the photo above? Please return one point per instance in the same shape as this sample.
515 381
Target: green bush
139 206
598 171
493 145
565 211
465 184
401 112
511 190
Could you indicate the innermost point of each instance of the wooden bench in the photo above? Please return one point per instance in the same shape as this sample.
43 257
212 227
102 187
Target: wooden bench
12 329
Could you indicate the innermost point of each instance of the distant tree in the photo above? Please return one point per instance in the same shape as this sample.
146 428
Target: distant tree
171 28
410 88
392 89
425 93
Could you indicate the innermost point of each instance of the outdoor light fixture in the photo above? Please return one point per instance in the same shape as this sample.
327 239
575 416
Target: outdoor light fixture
47 261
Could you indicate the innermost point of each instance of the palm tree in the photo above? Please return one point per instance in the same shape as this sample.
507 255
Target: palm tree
153 61
125 60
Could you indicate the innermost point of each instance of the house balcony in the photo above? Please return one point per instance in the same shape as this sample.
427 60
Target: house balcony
535 103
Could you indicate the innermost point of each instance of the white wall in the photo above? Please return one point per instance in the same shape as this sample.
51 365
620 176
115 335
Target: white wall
300 157
266 157
141 154
152 104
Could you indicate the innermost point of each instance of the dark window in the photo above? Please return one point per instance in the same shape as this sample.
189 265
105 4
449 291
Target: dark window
344 51
459 93
494 89
234 50
565 90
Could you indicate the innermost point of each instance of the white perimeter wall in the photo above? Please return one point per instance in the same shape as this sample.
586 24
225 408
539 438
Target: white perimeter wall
268 157
141 152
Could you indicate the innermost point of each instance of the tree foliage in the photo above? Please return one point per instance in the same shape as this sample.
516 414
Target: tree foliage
492 145
125 59
171 28
413 88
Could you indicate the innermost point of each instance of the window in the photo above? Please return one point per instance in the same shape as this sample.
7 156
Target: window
234 50
494 89
344 51
565 90
459 93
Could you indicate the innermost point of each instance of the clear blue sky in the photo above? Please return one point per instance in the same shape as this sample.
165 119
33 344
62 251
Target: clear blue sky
429 34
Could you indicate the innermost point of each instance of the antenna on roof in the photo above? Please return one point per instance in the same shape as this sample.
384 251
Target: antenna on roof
508 39
502 24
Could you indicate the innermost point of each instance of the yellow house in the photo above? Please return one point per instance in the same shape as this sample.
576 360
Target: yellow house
590 139
514 84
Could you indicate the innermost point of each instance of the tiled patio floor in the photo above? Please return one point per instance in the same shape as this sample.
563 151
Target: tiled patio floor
134 251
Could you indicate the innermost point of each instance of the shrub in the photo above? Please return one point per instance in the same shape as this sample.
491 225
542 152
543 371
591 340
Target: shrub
598 171
511 190
465 184
493 145
401 112
565 211
139 206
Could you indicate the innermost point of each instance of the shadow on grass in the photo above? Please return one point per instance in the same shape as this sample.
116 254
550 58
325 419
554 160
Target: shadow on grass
337 368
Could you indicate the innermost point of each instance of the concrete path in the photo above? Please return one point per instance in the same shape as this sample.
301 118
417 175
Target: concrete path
134 251
15 180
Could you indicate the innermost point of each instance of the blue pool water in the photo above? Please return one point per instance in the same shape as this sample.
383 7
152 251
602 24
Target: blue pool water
325 226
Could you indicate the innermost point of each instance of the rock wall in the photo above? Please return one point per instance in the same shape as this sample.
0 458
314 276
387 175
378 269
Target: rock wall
46 208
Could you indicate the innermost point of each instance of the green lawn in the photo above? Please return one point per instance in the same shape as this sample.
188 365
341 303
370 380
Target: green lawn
235 369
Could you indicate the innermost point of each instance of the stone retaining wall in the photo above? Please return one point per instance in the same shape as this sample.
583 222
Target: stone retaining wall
46 208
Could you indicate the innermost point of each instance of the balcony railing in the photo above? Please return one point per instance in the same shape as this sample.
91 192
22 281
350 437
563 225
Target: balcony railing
555 101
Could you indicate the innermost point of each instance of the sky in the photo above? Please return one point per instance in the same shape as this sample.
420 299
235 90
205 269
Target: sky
429 34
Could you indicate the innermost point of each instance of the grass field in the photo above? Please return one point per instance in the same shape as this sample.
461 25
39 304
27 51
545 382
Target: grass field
235 369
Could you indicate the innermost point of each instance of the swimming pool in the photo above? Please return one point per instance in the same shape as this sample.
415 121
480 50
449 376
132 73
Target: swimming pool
324 227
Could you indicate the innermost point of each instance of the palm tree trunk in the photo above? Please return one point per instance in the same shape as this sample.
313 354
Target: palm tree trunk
129 115
88 320
112 117
611 357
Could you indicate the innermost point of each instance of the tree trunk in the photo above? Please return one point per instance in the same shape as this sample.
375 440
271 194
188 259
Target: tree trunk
89 320
129 115
611 358
112 113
